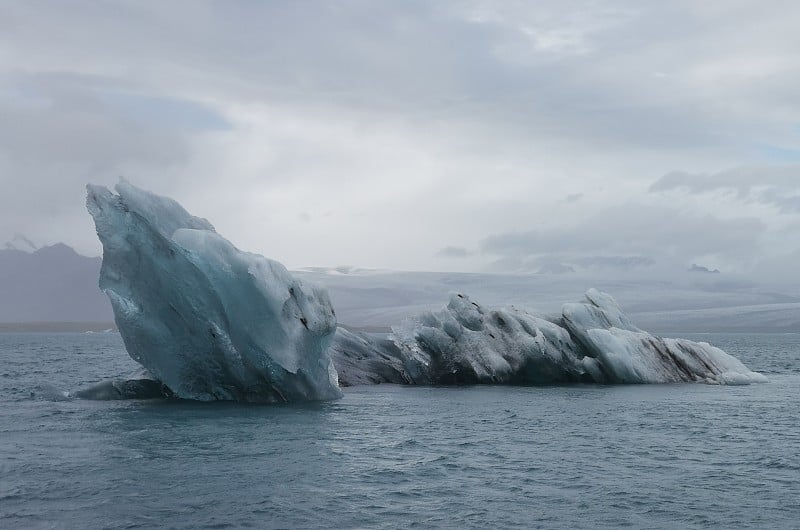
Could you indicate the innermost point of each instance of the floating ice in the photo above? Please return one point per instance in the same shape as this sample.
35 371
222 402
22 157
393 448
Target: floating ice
364 359
591 341
207 320
210 322
141 385
616 351
466 343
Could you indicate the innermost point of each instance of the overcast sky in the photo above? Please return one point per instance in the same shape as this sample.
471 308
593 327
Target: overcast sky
464 136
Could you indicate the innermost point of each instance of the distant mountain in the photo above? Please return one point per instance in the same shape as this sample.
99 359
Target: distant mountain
50 284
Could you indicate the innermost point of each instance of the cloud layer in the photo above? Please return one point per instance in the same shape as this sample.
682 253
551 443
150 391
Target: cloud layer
417 135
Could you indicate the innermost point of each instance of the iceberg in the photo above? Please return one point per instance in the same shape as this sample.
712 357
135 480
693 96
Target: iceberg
616 351
466 343
589 342
207 320
367 359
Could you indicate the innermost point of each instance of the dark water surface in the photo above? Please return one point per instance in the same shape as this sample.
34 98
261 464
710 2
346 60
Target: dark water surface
657 456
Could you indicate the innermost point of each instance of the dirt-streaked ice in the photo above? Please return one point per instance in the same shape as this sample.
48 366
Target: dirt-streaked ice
591 341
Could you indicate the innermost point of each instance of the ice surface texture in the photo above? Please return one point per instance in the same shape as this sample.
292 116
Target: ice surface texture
591 341
209 321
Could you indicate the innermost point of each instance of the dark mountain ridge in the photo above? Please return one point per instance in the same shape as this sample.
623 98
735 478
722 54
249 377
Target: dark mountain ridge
51 284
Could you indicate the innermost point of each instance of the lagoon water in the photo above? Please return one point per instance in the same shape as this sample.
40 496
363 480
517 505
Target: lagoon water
656 456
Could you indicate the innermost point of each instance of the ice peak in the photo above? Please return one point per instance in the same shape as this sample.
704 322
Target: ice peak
207 320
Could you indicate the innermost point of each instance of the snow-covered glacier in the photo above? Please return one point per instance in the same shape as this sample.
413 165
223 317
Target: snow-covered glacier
591 342
210 322
207 320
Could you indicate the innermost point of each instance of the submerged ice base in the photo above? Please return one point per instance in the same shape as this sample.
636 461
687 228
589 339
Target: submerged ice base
207 320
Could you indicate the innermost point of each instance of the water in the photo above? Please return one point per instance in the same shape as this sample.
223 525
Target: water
659 456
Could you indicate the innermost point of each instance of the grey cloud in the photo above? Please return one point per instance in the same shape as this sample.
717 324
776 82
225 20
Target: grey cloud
554 267
778 186
434 61
454 252
67 121
614 262
570 263
62 136
634 235
21 242
164 112
741 179
700 268
565 97
781 268
787 200
520 70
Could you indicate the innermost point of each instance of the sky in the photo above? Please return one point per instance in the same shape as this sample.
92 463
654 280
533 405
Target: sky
624 137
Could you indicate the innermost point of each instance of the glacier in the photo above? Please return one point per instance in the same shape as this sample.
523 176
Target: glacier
207 321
